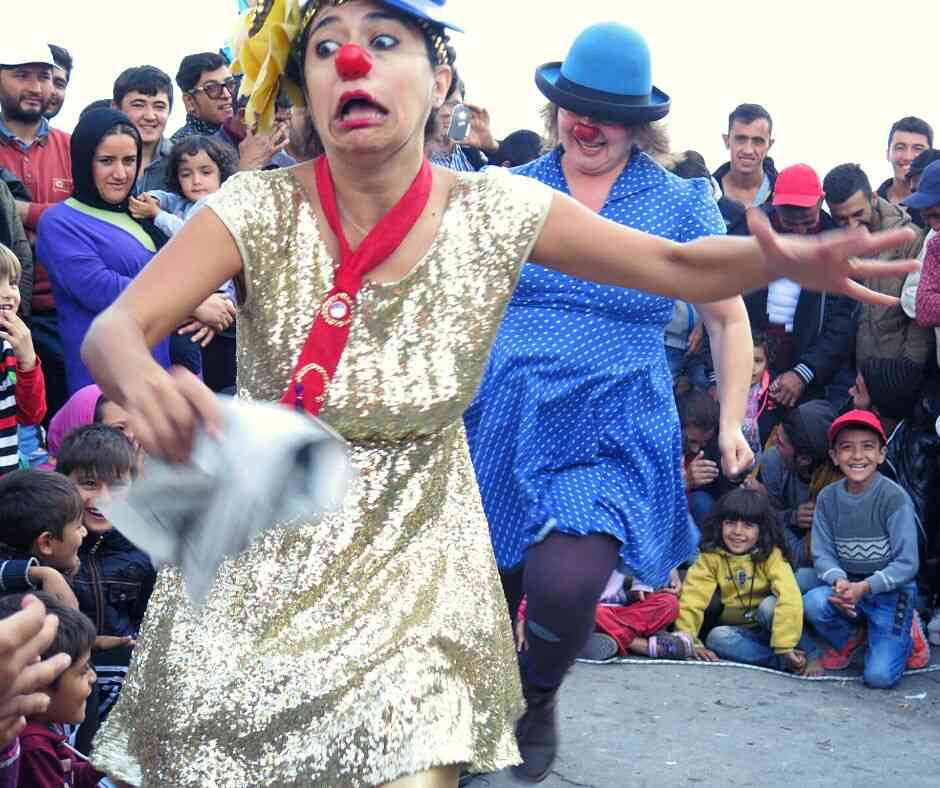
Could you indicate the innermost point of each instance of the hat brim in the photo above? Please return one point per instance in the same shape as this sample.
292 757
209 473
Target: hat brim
920 200
797 200
423 9
588 102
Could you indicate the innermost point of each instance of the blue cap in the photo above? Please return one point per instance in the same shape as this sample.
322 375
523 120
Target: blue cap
928 190
429 10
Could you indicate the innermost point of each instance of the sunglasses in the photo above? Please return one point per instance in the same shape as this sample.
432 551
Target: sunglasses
214 89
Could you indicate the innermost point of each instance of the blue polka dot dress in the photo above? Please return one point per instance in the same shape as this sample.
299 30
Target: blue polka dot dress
574 428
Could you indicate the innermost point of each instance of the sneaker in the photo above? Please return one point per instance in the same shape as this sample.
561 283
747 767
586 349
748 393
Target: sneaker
664 645
920 654
537 735
839 660
599 648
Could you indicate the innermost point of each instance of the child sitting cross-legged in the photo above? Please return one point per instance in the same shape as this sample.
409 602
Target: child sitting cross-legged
41 531
115 578
631 618
46 761
865 551
743 555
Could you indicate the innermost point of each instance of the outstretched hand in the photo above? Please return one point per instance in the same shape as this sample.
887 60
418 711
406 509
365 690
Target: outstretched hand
834 261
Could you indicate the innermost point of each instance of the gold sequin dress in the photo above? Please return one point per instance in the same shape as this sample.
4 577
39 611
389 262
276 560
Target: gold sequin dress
374 643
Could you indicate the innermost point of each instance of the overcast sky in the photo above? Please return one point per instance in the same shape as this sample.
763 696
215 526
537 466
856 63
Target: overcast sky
833 73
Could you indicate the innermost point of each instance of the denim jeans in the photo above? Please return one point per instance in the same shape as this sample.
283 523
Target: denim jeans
751 645
888 617
701 505
807 579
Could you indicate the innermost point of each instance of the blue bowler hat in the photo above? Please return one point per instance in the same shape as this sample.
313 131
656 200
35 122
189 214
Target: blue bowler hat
605 76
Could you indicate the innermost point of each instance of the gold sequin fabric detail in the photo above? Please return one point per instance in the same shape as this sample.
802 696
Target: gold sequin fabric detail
375 643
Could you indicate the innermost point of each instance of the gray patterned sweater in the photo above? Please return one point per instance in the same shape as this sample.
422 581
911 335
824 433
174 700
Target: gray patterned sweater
872 535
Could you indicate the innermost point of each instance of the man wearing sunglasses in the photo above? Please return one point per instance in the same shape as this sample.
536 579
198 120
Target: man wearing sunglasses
208 93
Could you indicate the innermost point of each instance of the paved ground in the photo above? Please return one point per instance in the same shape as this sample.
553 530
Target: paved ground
699 725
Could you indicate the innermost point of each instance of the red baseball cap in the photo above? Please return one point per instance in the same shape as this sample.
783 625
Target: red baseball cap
798 185
856 418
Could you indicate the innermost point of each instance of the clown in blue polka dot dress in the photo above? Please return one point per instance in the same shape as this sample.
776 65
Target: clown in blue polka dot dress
574 427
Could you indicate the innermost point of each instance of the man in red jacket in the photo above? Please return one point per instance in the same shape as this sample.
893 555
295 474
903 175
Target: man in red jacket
39 156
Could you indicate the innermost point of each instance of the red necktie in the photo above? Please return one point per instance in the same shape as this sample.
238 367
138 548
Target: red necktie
324 346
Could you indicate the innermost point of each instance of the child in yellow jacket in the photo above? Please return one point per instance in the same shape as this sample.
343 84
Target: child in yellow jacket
743 555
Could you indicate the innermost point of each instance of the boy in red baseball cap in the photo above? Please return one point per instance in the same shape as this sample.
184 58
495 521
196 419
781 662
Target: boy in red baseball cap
865 552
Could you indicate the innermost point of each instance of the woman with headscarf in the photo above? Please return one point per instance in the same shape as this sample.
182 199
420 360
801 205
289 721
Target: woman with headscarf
371 646
93 245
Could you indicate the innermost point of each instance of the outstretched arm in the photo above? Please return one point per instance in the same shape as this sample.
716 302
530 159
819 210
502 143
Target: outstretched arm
577 242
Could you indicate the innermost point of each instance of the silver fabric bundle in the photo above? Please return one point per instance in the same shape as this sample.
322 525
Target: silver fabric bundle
271 465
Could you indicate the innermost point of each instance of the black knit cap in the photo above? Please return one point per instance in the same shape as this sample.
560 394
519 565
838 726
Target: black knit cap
807 427
894 385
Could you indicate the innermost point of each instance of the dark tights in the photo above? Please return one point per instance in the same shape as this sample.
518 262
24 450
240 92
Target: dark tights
562 578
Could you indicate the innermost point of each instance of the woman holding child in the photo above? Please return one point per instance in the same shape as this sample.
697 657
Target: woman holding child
373 646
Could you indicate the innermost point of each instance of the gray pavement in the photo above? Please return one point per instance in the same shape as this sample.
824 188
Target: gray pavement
701 725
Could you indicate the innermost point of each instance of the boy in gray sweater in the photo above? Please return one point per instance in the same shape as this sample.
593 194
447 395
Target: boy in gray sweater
864 547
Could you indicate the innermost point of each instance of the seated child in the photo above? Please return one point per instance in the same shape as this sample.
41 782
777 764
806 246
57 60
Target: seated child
630 618
46 761
699 415
743 555
865 551
41 531
115 578
22 386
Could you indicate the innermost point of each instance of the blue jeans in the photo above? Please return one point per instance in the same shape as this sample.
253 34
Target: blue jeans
888 616
701 504
752 644
807 579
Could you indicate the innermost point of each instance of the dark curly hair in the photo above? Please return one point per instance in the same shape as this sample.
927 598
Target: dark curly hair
751 507
223 155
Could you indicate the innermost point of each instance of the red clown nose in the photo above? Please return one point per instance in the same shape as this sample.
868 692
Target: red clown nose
353 62
585 133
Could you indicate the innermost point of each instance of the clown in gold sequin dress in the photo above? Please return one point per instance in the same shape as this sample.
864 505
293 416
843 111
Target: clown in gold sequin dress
375 643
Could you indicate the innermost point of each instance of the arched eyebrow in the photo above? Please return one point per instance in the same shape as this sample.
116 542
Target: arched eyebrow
372 15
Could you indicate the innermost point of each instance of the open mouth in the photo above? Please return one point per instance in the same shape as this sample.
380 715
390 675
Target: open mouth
357 106
94 513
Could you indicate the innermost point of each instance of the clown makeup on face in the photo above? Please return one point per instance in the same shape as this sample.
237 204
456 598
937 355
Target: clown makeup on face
377 94
591 146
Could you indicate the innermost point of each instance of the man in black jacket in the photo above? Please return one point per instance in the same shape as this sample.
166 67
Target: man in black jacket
812 335
749 176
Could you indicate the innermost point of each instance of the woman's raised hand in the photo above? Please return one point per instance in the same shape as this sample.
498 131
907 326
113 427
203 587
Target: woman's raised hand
833 261
165 408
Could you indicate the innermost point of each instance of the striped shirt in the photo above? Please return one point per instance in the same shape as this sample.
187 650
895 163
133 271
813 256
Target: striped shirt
22 401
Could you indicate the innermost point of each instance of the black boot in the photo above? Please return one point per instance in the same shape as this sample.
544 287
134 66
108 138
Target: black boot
537 735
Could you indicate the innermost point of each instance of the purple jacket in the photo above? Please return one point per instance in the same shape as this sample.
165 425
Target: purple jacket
90 263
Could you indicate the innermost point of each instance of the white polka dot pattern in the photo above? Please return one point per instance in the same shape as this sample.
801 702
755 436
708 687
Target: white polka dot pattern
574 427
